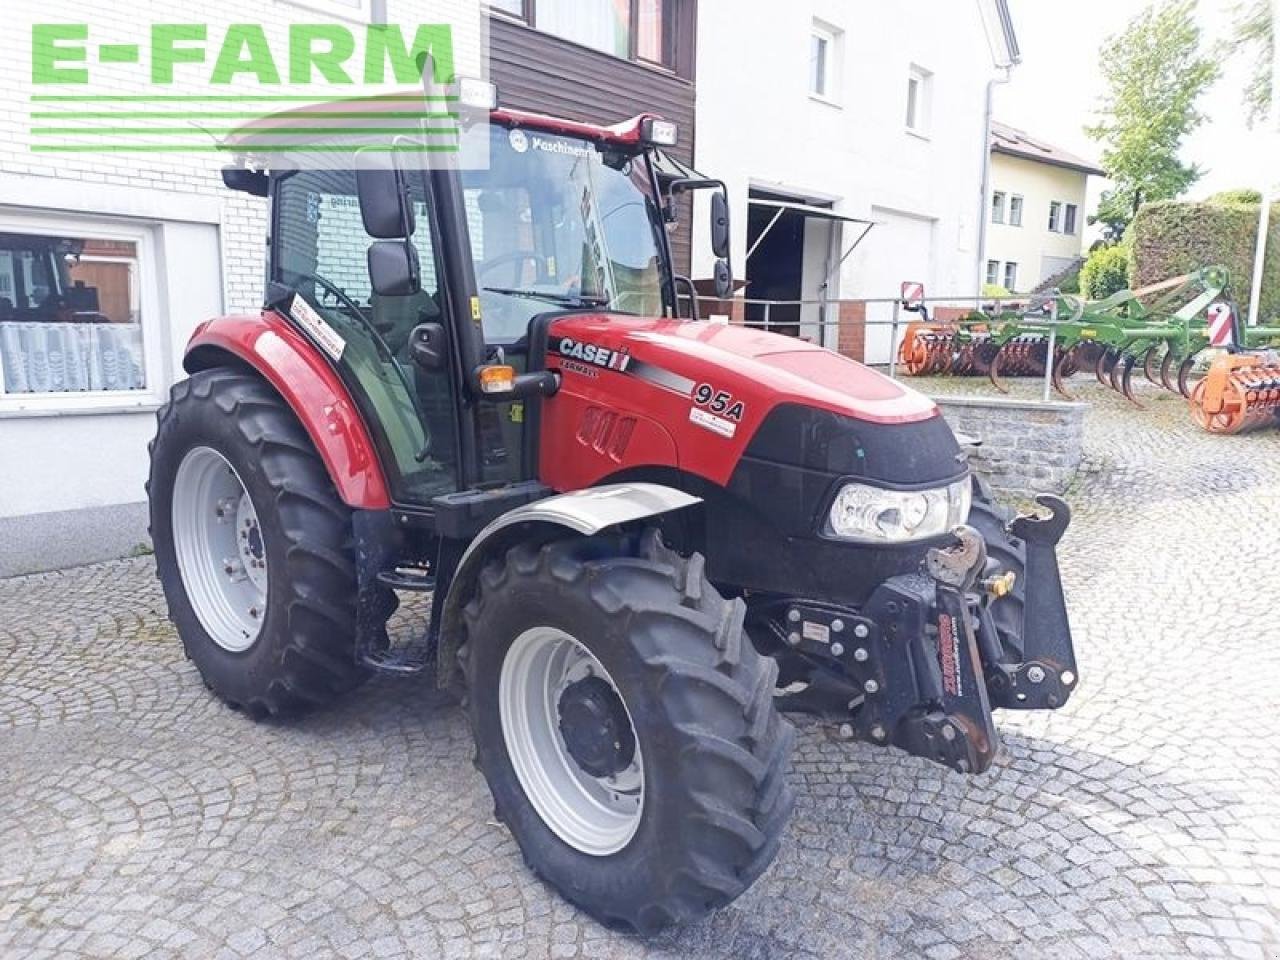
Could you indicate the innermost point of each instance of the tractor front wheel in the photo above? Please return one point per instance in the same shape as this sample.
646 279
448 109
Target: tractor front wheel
253 547
626 727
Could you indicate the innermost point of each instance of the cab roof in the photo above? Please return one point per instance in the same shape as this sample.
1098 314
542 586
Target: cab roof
321 115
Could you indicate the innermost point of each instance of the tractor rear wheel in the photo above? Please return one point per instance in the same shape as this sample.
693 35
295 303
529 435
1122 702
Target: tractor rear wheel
253 547
626 727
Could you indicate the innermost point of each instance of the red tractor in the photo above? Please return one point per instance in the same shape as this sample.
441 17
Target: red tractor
644 537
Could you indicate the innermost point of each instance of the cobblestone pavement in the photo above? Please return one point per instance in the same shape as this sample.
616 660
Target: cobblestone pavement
139 817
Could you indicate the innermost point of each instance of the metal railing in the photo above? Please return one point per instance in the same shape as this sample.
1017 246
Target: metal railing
1026 307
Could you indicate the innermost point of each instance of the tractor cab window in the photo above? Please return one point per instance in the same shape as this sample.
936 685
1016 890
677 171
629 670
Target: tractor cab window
321 251
557 224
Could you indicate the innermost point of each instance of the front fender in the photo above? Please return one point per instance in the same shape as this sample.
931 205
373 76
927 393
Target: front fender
584 512
286 359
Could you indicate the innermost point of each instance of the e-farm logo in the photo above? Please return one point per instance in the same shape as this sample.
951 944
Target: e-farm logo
245 89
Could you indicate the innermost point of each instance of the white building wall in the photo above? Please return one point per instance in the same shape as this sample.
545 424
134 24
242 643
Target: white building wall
1038 251
758 125
207 244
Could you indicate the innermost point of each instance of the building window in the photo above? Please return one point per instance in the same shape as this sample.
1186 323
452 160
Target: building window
514 8
603 25
993 272
653 34
357 10
824 61
1055 217
1069 219
997 207
1015 211
919 92
1011 276
73 301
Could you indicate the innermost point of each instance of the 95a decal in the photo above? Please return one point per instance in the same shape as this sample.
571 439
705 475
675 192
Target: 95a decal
719 402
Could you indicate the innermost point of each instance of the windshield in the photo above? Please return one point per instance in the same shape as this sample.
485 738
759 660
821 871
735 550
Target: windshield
555 221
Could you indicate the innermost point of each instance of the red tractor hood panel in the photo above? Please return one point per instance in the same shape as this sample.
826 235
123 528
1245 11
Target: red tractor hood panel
690 395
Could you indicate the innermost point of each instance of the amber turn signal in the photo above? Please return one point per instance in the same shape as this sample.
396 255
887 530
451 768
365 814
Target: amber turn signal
497 379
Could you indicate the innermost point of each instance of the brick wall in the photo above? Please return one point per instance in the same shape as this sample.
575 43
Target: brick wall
1027 448
853 329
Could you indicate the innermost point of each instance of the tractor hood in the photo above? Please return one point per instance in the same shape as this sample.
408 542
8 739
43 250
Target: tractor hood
758 369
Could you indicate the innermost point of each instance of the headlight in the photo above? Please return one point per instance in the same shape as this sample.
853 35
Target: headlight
873 515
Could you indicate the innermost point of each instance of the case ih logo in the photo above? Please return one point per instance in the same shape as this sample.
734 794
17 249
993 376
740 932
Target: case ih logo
593 354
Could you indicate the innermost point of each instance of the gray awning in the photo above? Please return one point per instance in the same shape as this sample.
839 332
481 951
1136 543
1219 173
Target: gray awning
818 213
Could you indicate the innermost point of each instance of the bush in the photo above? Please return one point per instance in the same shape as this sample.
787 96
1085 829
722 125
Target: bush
1230 198
1172 238
1105 272
994 290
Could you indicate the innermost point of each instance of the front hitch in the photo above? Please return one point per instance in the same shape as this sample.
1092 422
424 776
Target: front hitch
931 699
1045 675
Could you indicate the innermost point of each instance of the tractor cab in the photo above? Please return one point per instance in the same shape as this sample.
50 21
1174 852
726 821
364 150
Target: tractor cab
466 266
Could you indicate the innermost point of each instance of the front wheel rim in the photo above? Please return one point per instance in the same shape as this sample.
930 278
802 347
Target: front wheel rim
220 549
597 815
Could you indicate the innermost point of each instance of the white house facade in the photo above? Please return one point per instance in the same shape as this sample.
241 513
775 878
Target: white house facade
825 116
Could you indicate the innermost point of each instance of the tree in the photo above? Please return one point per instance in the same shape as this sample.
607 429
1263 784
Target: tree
1155 72
1255 39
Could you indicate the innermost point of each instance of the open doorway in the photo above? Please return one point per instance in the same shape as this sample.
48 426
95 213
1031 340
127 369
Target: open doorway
794 254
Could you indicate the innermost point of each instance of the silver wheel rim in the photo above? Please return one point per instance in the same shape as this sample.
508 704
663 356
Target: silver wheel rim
220 550
596 815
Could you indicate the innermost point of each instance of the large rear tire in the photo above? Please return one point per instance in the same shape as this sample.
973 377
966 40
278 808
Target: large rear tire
253 547
668 796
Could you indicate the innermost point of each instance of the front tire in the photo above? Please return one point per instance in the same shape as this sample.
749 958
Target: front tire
685 758
253 547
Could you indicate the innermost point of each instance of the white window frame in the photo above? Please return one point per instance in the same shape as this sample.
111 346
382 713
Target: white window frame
360 13
1021 205
917 122
993 272
149 313
1055 216
1010 282
998 198
1070 218
832 65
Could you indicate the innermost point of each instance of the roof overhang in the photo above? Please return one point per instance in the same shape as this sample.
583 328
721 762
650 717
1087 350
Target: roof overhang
1050 161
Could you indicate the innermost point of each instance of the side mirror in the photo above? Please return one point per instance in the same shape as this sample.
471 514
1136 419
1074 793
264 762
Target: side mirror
720 225
393 268
253 182
428 346
724 279
385 206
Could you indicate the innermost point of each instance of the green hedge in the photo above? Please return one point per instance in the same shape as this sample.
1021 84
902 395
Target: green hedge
1105 272
1173 238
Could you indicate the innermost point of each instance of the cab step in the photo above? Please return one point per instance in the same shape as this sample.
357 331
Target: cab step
411 579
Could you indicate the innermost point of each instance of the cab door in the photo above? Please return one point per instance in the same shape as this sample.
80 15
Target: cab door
319 251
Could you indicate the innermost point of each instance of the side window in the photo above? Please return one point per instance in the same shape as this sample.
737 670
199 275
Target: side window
321 252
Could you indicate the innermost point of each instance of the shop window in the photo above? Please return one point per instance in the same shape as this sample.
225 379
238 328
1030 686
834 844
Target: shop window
72 319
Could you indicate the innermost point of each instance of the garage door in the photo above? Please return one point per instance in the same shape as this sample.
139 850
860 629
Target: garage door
899 248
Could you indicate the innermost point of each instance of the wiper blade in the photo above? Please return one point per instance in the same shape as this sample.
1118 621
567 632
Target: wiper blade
566 299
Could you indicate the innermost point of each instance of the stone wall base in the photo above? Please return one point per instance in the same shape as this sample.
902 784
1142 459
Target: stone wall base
1026 448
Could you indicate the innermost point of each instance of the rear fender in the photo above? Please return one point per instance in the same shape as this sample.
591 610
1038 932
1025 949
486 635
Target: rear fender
583 512
271 346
